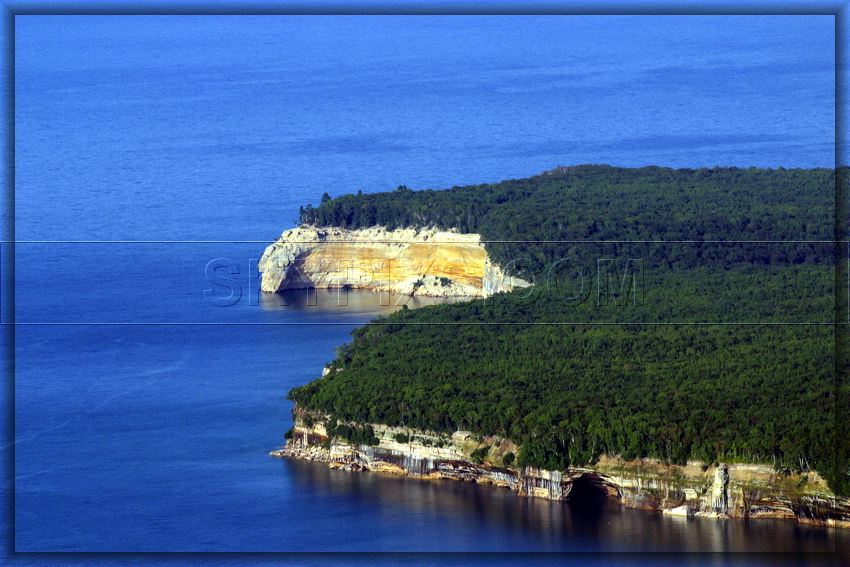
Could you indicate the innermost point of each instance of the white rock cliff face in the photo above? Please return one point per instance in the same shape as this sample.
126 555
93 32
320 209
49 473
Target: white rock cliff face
691 490
406 261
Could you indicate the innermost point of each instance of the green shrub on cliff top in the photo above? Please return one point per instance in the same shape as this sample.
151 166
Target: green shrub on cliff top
479 454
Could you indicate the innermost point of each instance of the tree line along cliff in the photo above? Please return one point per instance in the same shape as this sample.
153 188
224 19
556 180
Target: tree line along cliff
728 355
560 212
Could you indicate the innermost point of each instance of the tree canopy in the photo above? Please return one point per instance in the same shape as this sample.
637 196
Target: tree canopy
728 353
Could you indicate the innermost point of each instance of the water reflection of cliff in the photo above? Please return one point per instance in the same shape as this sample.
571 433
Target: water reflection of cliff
557 526
345 301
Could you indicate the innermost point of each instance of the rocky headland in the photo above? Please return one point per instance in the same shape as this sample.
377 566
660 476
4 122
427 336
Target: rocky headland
432 262
424 261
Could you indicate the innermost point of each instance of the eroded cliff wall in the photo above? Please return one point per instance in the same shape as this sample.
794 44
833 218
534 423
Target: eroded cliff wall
407 261
695 489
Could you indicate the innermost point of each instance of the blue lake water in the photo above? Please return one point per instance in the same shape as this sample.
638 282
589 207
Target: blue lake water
148 146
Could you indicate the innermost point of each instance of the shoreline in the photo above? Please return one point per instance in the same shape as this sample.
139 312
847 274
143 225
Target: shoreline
695 490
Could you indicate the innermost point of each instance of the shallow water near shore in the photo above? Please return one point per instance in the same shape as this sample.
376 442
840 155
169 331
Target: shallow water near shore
144 413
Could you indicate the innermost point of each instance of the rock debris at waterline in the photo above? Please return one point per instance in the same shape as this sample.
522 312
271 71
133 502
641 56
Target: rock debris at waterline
691 490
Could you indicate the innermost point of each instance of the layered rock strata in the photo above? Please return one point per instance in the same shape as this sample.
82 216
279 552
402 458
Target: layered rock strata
691 490
427 262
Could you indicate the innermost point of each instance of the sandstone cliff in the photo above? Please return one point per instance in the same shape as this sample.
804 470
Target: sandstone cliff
406 261
692 490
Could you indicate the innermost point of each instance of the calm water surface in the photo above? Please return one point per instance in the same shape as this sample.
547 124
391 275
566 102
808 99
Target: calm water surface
144 414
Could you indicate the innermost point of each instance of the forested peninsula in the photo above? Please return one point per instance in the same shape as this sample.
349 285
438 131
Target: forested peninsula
675 317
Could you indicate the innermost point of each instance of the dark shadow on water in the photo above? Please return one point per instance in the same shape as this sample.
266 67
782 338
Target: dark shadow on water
484 518
589 501
346 301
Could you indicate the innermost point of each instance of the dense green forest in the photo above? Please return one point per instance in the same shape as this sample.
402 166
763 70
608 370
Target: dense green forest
590 204
725 352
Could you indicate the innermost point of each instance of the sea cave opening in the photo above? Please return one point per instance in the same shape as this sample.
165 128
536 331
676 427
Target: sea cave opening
589 490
